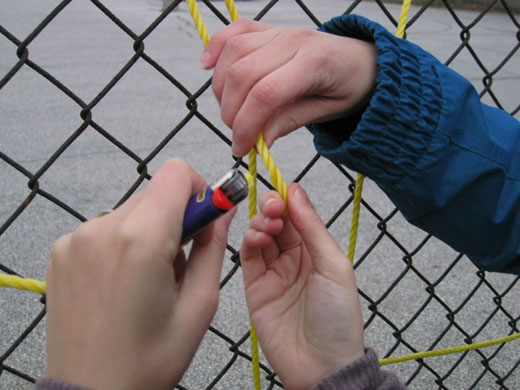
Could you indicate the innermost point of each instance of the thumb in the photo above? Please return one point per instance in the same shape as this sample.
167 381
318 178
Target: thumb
309 225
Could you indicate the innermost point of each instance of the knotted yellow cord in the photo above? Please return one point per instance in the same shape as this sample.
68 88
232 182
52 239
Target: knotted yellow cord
40 286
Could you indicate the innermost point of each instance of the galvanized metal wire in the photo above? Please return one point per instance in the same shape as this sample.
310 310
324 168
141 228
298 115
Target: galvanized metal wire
411 308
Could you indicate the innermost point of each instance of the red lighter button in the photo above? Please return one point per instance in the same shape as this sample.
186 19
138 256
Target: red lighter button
220 200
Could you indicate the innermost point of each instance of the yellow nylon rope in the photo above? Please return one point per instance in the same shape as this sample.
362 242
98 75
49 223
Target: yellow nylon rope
276 177
13 281
354 224
40 287
252 183
255 354
419 355
232 9
274 172
446 351
405 9
401 26
199 23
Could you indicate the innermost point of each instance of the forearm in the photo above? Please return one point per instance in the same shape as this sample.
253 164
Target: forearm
449 163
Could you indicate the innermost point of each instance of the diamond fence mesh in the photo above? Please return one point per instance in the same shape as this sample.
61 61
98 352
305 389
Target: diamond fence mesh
94 96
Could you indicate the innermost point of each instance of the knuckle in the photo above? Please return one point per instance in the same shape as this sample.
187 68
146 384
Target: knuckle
216 86
227 118
300 34
319 63
242 25
59 246
235 45
238 72
177 167
175 164
228 121
58 253
290 124
265 93
242 135
85 234
128 236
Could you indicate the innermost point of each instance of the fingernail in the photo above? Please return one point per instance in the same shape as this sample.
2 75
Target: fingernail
205 60
235 153
300 195
269 201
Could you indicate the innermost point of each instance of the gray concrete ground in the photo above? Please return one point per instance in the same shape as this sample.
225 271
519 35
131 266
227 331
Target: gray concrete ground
84 50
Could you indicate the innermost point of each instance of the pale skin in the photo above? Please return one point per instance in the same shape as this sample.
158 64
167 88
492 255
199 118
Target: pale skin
301 292
273 80
126 309
120 287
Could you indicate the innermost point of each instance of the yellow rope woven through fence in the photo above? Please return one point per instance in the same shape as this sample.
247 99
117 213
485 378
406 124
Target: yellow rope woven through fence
274 173
12 281
447 351
401 26
419 355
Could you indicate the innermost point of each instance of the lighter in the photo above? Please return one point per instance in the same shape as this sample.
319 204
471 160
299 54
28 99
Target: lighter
212 202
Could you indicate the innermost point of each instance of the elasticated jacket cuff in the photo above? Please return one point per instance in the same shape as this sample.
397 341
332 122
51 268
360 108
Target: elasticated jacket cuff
363 374
49 384
398 124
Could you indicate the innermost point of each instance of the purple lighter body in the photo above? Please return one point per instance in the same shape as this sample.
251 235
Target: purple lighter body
200 212
212 202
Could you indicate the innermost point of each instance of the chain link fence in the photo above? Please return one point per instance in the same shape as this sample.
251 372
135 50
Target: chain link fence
94 96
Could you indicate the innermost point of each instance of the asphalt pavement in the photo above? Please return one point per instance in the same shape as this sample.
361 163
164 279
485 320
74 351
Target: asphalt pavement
84 49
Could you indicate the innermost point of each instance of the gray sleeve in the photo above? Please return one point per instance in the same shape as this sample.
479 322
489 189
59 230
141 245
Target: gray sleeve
363 374
49 384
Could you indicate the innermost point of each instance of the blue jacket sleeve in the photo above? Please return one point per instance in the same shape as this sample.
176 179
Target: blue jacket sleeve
448 162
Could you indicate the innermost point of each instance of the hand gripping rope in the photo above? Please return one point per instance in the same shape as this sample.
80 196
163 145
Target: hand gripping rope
38 286
279 184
